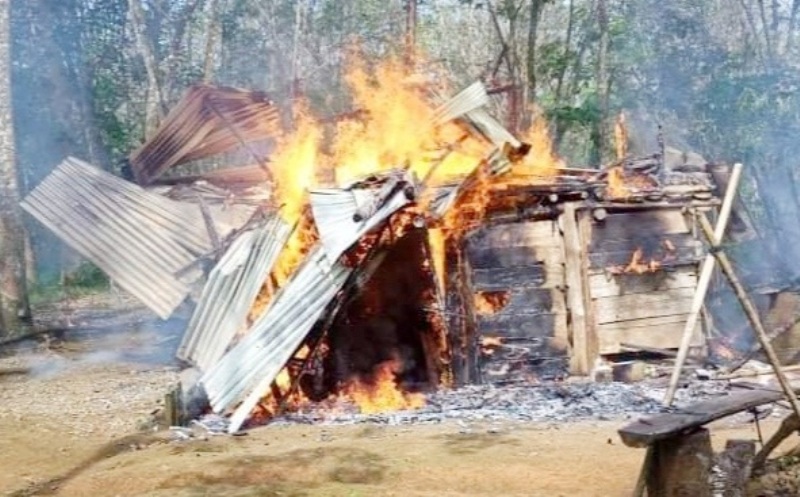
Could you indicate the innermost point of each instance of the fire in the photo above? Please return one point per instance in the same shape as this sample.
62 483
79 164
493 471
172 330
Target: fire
639 266
490 302
622 186
490 344
296 161
381 392
541 160
639 263
436 242
491 341
398 128
621 137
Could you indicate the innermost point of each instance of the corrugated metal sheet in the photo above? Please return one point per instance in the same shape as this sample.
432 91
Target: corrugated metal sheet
229 293
491 129
251 366
469 99
140 239
207 121
335 209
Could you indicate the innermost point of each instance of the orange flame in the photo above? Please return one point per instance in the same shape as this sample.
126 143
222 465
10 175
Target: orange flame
640 265
295 164
381 393
541 160
490 302
621 137
621 186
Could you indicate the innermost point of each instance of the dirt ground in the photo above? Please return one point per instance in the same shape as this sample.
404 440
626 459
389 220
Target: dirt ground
84 432
78 422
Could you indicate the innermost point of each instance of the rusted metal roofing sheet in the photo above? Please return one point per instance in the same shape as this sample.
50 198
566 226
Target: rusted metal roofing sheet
229 293
140 239
344 215
207 121
246 371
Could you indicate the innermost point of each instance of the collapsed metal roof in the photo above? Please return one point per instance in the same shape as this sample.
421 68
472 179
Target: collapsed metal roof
344 215
207 121
140 239
246 372
146 241
230 292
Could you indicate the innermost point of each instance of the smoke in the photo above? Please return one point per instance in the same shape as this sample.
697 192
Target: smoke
140 344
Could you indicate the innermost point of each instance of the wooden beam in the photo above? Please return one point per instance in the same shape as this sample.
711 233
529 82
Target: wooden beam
651 429
582 355
585 230
702 285
751 312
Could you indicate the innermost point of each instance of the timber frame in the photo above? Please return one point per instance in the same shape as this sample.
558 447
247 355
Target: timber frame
568 289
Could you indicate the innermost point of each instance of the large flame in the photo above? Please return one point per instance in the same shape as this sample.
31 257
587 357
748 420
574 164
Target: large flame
541 161
381 393
296 160
393 128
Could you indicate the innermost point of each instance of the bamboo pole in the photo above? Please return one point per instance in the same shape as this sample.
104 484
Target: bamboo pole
752 314
702 284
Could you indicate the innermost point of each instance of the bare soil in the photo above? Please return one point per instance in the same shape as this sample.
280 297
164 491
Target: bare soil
77 421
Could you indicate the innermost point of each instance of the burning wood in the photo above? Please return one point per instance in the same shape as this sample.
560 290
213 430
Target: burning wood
380 392
639 264
375 262
490 302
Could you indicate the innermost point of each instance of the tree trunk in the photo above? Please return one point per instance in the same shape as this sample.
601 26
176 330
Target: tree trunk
533 28
599 135
13 294
567 44
790 28
212 37
155 99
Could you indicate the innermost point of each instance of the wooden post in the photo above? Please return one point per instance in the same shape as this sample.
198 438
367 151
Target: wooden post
735 463
681 466
454 305
752 314
582 354
702 285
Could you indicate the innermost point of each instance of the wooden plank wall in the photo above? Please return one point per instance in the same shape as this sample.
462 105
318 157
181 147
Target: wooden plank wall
520 268
648 309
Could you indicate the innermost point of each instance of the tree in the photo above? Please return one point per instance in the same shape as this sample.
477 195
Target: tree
13 293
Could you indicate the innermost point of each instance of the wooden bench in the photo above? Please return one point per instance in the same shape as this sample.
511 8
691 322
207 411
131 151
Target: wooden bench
679 456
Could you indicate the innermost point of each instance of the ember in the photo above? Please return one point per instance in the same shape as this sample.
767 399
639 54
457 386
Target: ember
490 302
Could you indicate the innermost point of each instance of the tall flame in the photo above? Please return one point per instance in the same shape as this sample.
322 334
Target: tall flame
621 136
542 159
295 164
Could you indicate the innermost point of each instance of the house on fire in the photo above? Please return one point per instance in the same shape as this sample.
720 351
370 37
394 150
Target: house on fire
540 278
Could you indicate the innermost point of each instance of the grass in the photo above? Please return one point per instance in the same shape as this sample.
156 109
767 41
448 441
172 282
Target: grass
87 279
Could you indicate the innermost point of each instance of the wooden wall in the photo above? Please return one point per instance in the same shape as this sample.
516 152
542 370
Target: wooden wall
648 309
535 299
520 268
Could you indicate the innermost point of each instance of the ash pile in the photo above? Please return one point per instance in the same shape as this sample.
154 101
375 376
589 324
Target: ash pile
332 275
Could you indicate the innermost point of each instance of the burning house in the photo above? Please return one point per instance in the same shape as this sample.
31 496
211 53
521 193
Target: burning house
424 246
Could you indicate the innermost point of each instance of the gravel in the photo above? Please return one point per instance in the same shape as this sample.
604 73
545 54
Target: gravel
84 395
